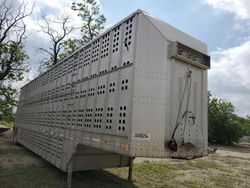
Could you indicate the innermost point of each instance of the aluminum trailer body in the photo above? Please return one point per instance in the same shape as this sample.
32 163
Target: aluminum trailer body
137 90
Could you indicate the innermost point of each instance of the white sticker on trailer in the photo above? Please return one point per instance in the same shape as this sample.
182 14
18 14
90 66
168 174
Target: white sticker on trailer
96 140
141 136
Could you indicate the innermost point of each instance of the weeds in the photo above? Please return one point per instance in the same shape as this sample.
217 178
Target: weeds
20 168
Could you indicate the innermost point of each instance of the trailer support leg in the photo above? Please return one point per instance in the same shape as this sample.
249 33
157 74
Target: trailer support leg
130 169
69 175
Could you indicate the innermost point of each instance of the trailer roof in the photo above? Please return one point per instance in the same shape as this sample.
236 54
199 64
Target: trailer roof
169 32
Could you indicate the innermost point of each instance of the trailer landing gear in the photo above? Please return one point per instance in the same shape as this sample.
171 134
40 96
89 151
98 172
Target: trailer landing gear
130 169
129 163
69 174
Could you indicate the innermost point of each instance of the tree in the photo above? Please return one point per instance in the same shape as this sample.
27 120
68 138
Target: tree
7 102
12 54
224 126
12 34
92 24
57 29
246 126
92 20
70 46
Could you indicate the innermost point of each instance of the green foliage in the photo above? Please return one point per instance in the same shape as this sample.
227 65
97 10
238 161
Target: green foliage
70 46
246 126
8 102
224 126
92 20
12 57
8 124
92 25
12 54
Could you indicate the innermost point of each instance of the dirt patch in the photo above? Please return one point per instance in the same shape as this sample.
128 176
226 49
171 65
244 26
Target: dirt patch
228 167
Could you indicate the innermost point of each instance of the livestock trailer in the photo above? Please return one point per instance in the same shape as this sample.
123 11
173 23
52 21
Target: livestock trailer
137 90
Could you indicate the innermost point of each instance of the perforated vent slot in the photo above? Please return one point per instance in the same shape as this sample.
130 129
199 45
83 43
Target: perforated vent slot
116 38
64 119
72 89
57 119
105 46
112 87
109 118
126 63
80 116
83 93
113 67
77 94
103 71
71 64
122 118
59 148
100 89
95 52
74 118
65 68
128 33
88 118
124 86
59 73
98 118
91 91
69 116
81 58
87 55
93 75
74 65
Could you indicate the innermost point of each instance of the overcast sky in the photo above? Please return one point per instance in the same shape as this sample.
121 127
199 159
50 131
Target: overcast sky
224 25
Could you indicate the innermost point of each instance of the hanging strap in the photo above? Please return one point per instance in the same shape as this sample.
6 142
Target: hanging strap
182 99
172 144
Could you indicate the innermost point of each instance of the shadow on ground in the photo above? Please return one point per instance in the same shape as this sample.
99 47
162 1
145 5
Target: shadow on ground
21 168
99 178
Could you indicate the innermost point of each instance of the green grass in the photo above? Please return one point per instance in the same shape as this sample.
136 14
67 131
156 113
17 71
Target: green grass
13 150
6 148
204 164
7 151
198 164
223 181
37 173
194 184
31 176
151 174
